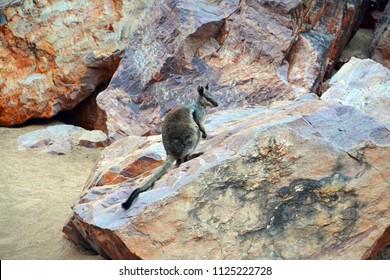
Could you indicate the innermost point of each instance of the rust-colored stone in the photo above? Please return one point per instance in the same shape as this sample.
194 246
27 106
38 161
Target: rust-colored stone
140 166
111 178
107 244
54 54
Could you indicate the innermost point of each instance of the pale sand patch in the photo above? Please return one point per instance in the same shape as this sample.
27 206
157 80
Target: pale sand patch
37 191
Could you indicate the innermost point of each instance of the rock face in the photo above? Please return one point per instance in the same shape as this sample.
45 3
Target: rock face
364 84
380 48
287 182
61 139
53 54
250 52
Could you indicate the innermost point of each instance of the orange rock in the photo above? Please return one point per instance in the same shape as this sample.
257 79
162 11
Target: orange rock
49 59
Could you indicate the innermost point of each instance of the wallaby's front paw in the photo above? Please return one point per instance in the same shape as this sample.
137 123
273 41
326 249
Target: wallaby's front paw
204 135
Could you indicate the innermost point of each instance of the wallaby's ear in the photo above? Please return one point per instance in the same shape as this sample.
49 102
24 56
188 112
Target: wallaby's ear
207 86
200 90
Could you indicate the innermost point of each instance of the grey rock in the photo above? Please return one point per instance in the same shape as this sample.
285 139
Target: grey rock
61 139
364 84
289 182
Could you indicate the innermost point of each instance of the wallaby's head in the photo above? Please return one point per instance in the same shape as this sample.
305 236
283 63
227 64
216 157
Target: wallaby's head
205 98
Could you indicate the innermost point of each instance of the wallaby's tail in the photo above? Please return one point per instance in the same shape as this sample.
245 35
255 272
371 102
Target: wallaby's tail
167 164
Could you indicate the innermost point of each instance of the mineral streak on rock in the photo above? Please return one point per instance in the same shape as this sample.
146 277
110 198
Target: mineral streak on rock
294 181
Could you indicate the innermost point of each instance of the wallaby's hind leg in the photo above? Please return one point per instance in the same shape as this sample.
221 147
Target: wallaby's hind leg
187 158
192 156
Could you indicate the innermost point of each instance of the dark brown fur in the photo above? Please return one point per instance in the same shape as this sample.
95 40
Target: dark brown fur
181 132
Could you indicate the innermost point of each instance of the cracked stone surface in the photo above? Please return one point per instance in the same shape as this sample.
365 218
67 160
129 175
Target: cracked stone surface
299 180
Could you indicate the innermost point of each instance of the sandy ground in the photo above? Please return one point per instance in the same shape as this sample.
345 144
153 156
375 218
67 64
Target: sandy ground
37 191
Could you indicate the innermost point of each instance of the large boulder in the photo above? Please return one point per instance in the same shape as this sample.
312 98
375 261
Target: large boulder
306 180
53 54
364 84
250 52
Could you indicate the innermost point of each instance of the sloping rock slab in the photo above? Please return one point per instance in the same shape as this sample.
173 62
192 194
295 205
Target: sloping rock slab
307 180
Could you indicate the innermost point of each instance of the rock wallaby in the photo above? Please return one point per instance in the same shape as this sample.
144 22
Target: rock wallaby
181 132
